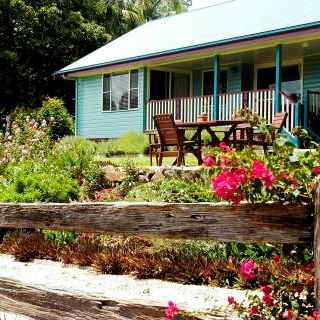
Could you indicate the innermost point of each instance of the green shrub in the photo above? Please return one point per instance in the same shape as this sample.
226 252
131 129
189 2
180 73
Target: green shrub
173 189
76 156
130 143
36 182
60 238
58 119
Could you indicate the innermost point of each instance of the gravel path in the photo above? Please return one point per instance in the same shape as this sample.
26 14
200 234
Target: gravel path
56 276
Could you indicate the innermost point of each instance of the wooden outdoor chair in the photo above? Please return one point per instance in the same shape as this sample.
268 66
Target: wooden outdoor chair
243 135
278 123
154 146
172 142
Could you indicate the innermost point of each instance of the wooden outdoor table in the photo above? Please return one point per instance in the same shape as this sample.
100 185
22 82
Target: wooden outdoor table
208 126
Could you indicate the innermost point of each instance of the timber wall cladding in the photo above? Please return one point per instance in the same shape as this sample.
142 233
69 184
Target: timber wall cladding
276 223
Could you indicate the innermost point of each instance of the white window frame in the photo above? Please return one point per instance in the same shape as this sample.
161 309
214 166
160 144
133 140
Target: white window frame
129 90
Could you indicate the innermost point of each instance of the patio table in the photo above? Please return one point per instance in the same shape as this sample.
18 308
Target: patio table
209 127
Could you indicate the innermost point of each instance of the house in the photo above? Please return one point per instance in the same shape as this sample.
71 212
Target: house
264 55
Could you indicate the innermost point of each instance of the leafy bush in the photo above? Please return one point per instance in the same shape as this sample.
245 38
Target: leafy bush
60 238
27 139
76 157
58 119
130 143
31 181
173 189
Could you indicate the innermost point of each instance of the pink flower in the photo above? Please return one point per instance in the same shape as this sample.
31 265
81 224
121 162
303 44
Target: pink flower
316 314
209 162
288 314
224 147
276 259
266 290
171 311
259 171
309 267
226 186
231 300
294 183
253 310
316 170
268 300
247 270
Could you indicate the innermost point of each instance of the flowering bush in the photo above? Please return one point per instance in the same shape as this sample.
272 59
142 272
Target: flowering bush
171 311
286 291
245 175
26 140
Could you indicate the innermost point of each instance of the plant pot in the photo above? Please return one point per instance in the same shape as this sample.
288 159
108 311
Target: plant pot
202 117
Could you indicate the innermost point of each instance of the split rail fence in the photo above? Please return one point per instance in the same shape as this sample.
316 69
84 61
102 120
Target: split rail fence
272 223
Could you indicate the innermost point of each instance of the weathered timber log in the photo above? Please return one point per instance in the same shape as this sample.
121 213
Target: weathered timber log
42 304
317 245
277 223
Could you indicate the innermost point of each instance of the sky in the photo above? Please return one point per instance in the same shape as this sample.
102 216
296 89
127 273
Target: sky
196 4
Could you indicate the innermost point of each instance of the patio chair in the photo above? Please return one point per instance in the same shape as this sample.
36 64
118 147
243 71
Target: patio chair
154 146
278 123
242 135
172 142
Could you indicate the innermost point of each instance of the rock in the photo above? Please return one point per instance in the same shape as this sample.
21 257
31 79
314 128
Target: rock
113 174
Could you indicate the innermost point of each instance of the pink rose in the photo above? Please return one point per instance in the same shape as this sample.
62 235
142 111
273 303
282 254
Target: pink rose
253 310
231 300
209 162
266 290
316 170
276 259
267 300
247 270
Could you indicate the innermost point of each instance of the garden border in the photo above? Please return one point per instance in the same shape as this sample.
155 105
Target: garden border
271 222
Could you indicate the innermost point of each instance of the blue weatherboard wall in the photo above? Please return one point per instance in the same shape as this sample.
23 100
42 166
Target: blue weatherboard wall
311 74
93 123
197 83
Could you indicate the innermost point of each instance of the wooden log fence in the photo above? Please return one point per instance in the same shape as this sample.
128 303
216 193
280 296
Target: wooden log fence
271 222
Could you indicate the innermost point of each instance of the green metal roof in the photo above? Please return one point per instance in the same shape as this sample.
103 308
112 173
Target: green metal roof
226 22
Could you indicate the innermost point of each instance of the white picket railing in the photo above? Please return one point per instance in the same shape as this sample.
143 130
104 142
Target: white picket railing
183 109
314 103
187 109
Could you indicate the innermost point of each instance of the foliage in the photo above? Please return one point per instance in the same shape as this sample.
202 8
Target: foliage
287 291
130 143
76 157
174 189
59 121
130 180
60 238
246 175
40 37
33 181
27 139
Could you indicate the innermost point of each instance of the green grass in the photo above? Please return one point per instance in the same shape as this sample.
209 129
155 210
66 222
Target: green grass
143 160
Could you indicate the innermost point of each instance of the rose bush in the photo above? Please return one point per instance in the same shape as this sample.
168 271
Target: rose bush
247 175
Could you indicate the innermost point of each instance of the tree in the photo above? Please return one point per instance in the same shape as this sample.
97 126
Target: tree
38 37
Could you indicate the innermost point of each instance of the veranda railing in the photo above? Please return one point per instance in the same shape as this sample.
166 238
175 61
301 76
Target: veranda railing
187 109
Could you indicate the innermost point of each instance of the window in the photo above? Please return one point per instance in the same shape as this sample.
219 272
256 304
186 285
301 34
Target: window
208 81
120 91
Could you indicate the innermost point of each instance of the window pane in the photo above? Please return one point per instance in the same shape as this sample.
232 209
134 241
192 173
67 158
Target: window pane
106 101
106 82
119 91
134 79
133 98
208 82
